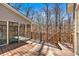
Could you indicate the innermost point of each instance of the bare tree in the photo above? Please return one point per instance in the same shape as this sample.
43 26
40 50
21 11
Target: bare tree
46 10
38 18
29 11
57 12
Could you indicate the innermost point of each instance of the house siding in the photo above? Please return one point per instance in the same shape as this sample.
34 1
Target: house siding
14 20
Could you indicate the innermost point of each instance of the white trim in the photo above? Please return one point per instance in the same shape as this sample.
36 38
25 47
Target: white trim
75 33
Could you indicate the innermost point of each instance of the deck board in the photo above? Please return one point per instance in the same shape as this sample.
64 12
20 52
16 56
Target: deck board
31 49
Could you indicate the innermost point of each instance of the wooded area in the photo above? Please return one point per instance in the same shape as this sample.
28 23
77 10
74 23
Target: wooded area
51 23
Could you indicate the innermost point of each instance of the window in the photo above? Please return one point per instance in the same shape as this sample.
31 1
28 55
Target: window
28 30
3 32
22 30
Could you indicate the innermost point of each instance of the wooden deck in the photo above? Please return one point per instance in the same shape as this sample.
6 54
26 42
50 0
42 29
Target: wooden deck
32 49
20 49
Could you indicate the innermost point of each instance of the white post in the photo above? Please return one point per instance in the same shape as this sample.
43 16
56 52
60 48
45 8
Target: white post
75 33
7 32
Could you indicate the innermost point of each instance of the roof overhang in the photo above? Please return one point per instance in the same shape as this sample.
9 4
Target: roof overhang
15 11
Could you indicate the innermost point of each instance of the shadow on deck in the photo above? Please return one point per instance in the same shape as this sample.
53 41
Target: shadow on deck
12 46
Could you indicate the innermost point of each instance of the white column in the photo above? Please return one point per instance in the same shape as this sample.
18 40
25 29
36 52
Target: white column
7 32
75 33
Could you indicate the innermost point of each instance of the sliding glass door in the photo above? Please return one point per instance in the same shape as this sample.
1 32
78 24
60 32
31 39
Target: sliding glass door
13 32
3 32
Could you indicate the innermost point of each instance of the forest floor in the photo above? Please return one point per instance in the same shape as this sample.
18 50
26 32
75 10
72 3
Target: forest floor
33 48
